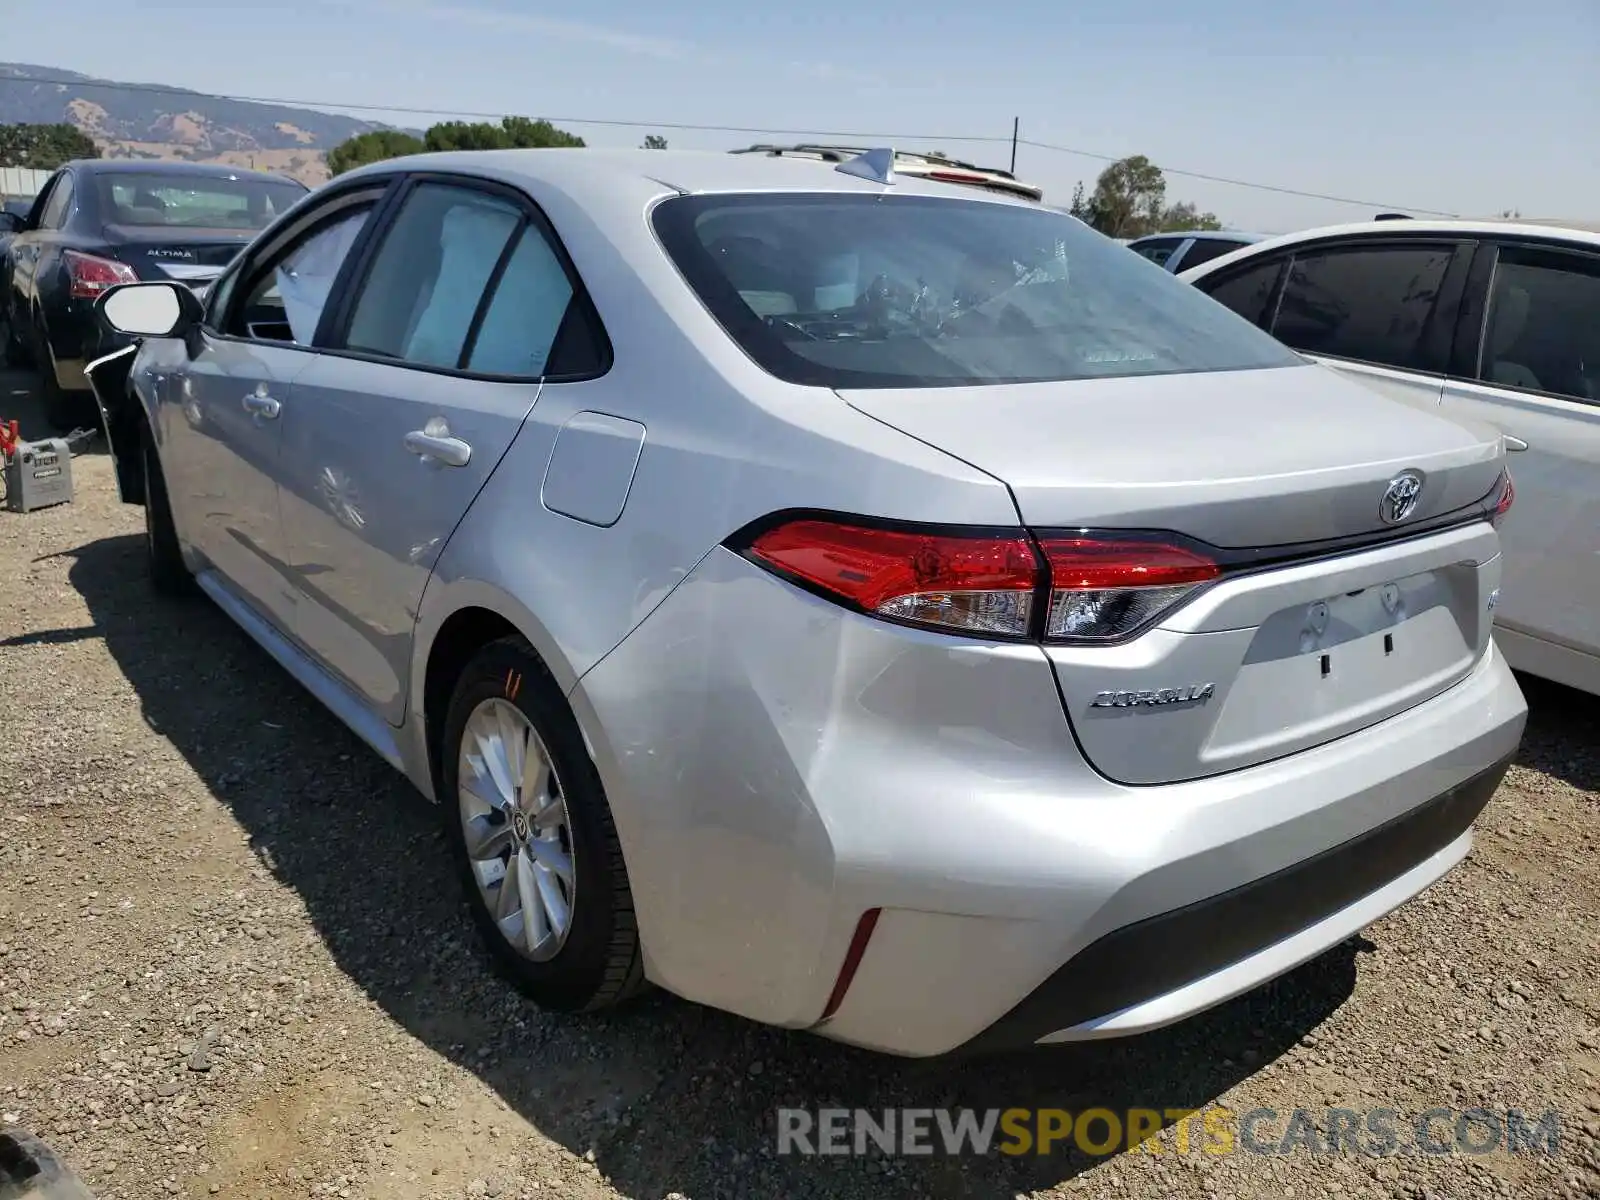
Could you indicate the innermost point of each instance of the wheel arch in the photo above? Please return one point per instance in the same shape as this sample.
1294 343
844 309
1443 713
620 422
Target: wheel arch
451 631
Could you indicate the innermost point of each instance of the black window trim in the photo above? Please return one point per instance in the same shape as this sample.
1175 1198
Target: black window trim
1437 333
334 331
1472 329
296 224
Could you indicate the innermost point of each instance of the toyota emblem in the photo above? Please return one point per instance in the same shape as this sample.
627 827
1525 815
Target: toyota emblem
1400 497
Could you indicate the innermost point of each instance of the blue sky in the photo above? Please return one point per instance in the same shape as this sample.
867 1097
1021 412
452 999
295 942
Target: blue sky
1465 106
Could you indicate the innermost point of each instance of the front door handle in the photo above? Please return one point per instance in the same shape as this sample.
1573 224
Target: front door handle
434 443
259 404
1515 443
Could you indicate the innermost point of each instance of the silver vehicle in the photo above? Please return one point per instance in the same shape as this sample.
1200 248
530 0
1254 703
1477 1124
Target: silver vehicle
1484 321
855 603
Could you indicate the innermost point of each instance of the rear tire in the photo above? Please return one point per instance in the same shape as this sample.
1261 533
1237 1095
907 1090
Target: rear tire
531 842
168 575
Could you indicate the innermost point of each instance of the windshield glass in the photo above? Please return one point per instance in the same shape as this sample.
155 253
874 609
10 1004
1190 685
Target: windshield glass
915 291
195 201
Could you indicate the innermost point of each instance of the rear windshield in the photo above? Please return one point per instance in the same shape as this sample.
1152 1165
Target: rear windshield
194 201
868 291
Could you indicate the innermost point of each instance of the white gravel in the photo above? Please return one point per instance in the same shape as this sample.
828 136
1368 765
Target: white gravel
233 962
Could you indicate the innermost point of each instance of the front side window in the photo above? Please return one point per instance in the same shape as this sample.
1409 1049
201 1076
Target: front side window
1369 303
855 290
430 274
1543 327
195 201
286 300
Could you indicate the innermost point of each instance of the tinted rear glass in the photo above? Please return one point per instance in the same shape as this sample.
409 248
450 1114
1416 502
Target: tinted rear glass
194 201
918 291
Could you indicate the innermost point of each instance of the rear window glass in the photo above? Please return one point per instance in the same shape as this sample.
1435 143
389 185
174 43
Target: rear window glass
840 290
195 201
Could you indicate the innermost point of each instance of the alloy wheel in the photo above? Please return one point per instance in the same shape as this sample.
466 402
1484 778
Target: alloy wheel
516 827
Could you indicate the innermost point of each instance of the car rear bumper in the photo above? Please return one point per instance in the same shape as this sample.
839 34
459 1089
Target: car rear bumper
779 767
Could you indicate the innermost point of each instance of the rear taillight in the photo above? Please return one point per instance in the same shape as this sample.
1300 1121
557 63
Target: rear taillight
1102 589
88 275
987 583
1506 497
975 583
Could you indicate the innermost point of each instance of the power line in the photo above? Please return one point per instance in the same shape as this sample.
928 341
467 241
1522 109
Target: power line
688 127
1244 183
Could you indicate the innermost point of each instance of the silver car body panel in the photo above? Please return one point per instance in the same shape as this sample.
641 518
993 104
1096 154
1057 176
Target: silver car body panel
778 764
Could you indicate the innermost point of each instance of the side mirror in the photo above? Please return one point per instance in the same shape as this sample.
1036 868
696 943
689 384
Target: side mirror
150 309
10 222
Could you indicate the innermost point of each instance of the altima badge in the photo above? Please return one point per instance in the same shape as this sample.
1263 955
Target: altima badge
1184 695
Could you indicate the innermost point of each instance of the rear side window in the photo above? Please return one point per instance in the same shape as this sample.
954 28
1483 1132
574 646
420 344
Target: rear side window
430 274
1157 250
1203 250
1370 303
1248 291
519 326
1543 331
57 205
869 291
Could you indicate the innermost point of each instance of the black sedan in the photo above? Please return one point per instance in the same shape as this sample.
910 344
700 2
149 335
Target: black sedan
97 223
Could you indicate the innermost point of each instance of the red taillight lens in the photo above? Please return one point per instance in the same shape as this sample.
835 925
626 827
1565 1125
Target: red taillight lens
985 583
1508 496
1103 589
974 583
89 275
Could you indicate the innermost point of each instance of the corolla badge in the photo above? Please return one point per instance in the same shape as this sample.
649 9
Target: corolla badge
1179 695
1400 498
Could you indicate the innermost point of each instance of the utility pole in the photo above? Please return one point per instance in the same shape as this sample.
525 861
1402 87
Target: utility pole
1016 122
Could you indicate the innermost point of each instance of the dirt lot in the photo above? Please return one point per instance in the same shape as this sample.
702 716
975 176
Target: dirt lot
233 962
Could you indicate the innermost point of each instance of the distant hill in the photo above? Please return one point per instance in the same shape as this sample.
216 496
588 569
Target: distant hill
154 121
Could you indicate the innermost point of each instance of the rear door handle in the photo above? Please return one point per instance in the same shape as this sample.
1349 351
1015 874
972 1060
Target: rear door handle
260 404
439 447
1515 443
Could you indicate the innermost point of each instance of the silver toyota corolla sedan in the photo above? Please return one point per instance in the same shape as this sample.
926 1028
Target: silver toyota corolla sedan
857 603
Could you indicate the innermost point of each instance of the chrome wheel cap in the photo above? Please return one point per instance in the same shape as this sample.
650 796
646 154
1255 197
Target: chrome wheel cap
514 818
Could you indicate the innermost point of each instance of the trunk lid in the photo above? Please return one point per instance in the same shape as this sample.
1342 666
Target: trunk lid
194 256
1239 458
1265 661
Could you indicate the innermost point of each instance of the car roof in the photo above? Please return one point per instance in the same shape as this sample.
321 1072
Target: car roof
1578 232
595 174
909 161
167 166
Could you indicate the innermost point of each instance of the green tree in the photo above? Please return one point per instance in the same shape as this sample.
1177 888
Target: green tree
654 141
1130 201
524 134
44 147
513 133
376 146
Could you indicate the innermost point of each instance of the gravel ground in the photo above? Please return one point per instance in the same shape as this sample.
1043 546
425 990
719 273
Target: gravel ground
233 962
